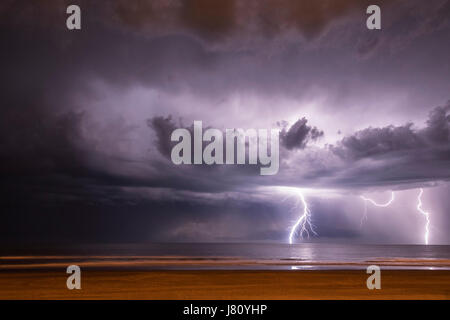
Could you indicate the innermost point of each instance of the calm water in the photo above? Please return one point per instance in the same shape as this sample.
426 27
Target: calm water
307 251
277 256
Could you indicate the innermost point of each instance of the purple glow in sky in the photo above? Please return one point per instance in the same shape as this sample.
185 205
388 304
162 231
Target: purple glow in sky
86 119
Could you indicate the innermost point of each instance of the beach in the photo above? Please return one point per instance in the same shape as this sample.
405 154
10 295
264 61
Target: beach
227 271
225 284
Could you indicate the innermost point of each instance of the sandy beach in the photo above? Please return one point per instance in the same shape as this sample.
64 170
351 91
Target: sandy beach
229 284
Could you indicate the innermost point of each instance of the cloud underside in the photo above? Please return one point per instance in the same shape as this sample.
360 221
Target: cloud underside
391 156
399 154
48 134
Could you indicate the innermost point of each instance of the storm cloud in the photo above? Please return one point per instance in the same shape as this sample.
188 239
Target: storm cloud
399 154
86 116
434 139
299 134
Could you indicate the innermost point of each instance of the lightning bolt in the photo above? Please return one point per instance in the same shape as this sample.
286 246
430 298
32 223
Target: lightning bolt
419 208
303 223
426 214
383 205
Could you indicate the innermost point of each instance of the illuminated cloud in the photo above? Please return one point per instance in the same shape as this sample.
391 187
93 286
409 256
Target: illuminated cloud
85 116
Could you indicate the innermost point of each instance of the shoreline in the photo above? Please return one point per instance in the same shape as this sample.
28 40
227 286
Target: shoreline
12 263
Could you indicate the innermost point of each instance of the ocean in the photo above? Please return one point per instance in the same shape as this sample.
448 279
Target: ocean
241 256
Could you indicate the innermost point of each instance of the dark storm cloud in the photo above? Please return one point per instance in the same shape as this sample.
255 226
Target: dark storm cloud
211 19
135 215
403 23
44 129
163 128
310 17
170 60
299 134
35 141
433 140
208 19
225 177
296 136
62 164
398 154
373 157
214 20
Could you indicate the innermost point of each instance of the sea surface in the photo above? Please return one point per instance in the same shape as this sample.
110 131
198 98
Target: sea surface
242 256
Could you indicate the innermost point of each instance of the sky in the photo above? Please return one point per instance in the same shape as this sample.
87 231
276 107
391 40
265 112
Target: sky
86 117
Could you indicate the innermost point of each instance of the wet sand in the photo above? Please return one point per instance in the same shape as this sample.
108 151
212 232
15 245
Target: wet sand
229 284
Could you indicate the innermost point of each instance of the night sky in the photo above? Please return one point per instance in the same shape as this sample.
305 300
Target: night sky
86 117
